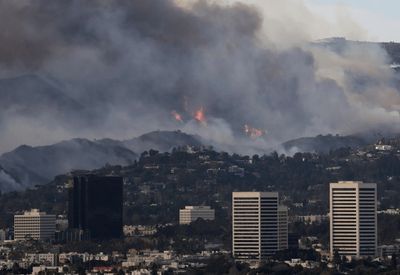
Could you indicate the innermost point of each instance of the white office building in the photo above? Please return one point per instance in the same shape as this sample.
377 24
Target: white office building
192 213
259 226
353 219
34 225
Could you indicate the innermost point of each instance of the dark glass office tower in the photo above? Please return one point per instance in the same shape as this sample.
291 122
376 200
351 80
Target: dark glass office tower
95 206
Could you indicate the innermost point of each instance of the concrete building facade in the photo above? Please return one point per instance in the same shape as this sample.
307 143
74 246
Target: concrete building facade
34 225
353 219
192 213
256 222
283 228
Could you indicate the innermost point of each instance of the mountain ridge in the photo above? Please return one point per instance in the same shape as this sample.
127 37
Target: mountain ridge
32 165
27 166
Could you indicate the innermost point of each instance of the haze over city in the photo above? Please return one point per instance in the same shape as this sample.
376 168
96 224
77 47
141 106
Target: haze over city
236 137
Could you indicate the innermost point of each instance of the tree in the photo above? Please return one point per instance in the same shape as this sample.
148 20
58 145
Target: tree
393 262
153 153
337 260
344 259
15 268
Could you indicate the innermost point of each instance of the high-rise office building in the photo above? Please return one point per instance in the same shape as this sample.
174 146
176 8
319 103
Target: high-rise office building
256 222
192 213
353 218
95 205
283 228
34 225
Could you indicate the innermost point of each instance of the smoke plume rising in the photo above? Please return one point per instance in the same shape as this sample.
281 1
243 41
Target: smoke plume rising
121 68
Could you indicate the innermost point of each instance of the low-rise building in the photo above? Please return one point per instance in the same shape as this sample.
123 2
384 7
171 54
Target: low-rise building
236 170
34 225
192 213
139 230
309 219
36 270
388 250
50 259
383 147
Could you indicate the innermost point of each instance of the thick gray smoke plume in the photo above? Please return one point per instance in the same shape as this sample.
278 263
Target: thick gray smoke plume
121 68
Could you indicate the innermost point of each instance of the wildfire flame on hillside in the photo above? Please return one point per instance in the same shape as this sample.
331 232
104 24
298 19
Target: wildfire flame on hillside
177 116
200 116
253 132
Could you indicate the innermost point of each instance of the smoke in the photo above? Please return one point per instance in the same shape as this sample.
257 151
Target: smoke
7 180
119 68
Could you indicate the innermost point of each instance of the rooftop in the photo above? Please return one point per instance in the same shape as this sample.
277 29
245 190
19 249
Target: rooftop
203 207
33 213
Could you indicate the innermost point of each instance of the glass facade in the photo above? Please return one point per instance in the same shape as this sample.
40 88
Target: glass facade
95 205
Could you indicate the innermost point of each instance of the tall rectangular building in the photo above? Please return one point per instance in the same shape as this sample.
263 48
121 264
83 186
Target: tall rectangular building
255 225
283 233
353 218
95 206
34 225
192 213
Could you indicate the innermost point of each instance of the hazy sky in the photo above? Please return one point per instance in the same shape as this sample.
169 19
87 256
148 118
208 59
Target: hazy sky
380 18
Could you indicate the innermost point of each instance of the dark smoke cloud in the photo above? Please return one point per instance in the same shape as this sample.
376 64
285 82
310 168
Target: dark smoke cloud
118 68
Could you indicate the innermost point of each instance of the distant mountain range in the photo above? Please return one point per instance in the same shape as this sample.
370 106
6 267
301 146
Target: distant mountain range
338 44
28 166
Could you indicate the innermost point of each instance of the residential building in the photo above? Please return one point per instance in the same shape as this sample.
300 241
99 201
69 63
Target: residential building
36 270
49 259
256 222
353 219
35 225
388 250
192 213
310 219
95 205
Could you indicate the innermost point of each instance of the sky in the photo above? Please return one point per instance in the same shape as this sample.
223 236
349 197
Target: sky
379 18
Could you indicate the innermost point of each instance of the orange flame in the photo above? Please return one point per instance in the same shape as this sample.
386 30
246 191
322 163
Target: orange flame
200 116
177 116
253 132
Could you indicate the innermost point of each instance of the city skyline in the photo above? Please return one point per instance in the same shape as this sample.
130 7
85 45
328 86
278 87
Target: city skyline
164 137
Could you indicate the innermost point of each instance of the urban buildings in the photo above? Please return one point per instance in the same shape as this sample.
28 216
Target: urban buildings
353 218
95 205
192 213
283 230
259 225
34 225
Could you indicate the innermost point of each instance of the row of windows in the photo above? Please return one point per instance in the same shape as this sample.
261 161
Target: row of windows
345 245
346 212
246 199
341 198
343 189
344 237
